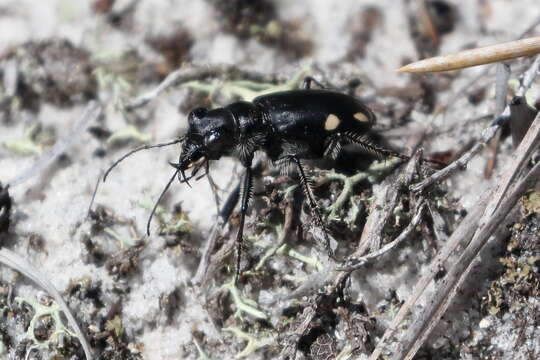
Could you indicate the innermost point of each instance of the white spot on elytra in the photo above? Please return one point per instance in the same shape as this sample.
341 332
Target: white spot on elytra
361 117
332 122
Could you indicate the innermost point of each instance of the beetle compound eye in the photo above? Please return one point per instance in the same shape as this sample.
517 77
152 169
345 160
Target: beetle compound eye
213 137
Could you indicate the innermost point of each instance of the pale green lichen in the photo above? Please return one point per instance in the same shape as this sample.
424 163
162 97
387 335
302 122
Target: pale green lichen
202 354
266 256
41 310
372 175
26 145
282 248
531 202
115 325
127 134
169 223
125 242
353 215
115 84
244 305
253 344
311 261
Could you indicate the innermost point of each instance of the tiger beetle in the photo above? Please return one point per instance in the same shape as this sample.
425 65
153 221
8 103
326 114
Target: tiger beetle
289 126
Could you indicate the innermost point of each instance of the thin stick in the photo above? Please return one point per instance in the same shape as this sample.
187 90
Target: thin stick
201 274
212 183
526 81
90 114
383 207
479 56
460 163
528 145
16 262
425 18
356 263
528 77
463 90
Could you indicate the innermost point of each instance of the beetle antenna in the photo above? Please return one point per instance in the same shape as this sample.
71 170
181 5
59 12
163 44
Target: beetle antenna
158 200
144 147
93 198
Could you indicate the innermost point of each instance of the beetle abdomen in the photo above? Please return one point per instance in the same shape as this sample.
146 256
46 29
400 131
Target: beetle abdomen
308 118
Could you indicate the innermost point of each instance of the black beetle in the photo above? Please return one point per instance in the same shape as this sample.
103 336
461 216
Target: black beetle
288 126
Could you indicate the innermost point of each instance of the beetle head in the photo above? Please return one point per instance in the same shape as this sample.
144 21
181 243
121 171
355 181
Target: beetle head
210 135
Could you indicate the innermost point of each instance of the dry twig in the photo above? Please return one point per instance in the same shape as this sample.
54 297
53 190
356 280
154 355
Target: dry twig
356 263
474 57
14 261
464 90
90 114
383 207
209 263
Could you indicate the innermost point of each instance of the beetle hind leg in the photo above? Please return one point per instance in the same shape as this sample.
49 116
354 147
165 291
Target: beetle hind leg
306 184
332 147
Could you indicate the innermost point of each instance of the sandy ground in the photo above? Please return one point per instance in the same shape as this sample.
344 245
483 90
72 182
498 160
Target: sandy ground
49 213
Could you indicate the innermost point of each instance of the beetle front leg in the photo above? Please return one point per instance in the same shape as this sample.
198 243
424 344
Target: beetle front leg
246 190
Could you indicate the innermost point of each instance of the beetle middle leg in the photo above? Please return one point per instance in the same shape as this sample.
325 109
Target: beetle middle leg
306 182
